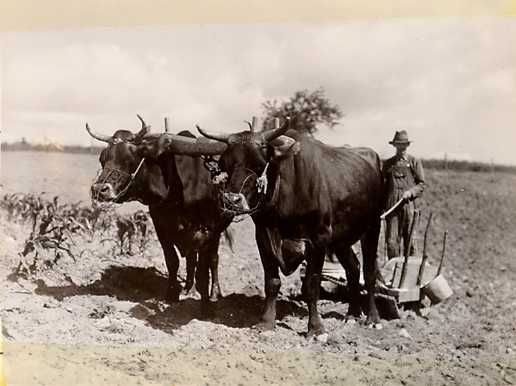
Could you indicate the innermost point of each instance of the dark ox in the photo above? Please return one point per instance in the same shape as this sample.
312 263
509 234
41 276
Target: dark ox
182 203
306 199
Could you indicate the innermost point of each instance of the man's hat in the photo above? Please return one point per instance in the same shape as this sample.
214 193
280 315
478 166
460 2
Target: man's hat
400 137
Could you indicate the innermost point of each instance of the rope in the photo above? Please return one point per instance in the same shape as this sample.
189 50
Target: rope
132 177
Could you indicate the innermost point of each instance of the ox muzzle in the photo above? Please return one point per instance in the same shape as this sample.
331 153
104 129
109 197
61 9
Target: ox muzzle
112 184
103 191
238 203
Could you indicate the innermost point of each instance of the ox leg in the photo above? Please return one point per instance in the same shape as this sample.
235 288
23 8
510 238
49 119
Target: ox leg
172 261
202 278
191 264
369 245
313 287
130 238
215 292
171 258
143 235
349 261
272 280
120 234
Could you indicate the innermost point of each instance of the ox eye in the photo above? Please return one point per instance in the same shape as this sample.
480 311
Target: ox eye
264 148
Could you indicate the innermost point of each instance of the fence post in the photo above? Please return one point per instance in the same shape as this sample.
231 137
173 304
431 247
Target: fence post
166 124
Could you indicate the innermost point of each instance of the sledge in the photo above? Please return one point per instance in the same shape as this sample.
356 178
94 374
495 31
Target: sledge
410 279
405 279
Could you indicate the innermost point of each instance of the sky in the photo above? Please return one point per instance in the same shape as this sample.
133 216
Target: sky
451 83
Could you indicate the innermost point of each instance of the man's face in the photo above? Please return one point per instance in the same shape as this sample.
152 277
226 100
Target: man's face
401 147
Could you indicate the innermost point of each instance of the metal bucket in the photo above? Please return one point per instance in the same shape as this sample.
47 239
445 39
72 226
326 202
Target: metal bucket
438 289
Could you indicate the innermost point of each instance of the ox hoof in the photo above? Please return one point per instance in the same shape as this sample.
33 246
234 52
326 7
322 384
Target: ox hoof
189 292
215 296
314 332
373 320
376 326
354 312
264 326
187 288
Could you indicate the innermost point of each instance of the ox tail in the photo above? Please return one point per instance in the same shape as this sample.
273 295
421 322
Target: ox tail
228 236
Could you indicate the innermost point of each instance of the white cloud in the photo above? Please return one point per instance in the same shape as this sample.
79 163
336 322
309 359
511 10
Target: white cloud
447 81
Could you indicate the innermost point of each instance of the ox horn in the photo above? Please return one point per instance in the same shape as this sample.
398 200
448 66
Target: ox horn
103 138
252 125
143 131
217 137
178 144
271 134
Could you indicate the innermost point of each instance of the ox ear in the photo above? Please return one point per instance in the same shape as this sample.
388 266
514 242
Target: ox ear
283 147
151 147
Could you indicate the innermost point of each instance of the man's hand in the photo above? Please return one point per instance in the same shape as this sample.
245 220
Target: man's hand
407 195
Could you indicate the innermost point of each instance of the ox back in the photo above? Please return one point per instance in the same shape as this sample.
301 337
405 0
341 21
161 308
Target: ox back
335 192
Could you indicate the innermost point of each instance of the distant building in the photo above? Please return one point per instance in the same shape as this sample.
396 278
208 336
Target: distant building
24 145
49 146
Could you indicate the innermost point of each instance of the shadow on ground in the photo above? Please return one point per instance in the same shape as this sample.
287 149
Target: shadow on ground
234 310
147 287
134 284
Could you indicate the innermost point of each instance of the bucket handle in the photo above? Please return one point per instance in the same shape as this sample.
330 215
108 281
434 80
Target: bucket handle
442 254
407 248
425 256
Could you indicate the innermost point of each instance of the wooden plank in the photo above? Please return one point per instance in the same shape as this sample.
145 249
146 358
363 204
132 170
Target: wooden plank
404 295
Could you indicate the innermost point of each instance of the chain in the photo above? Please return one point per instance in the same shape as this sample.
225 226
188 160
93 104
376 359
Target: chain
211 165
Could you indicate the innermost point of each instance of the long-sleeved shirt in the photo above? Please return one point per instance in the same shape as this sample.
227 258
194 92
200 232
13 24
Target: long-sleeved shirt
402 174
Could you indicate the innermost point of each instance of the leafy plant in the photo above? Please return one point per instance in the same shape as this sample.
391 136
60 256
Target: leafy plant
308 109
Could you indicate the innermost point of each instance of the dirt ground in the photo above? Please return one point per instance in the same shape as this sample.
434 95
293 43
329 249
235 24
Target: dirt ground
102 319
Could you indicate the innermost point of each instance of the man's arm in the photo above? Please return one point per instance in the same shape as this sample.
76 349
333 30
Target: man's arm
419 178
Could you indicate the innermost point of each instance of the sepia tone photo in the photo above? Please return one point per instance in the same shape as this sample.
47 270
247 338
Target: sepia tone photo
278 198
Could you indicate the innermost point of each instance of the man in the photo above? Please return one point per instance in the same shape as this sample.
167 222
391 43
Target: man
404 178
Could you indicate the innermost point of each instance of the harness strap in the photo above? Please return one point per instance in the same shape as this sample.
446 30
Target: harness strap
131 180
262 185
262 182
274 196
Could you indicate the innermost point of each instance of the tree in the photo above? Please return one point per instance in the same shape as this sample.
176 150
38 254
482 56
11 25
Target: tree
308 109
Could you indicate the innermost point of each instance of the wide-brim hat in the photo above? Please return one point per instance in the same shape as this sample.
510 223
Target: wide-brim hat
400 137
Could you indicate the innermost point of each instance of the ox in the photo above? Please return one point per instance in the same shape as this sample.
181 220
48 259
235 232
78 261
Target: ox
182 202
300 191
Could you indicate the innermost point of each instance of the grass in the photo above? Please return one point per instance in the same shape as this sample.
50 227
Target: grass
463 166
